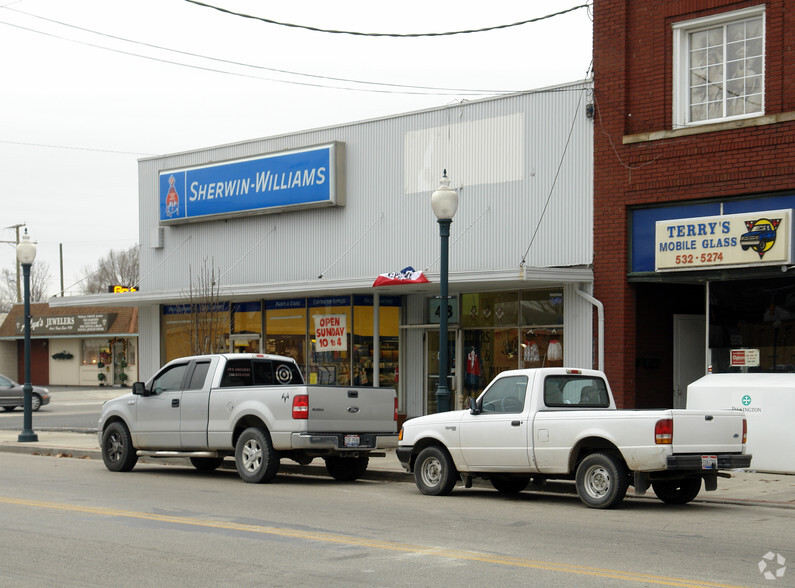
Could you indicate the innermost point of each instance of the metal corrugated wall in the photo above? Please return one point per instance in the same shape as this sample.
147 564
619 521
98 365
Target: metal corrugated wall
384 228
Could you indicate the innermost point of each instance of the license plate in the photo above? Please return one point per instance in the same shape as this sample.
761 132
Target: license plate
351 440
709 462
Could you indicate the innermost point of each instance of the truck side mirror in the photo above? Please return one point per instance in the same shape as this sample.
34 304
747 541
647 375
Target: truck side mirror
473 406
139 389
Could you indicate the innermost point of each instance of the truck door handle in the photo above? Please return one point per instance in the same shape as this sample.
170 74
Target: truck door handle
516 423
175 403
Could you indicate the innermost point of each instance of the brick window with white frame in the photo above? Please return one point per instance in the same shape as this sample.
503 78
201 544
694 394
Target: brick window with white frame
719 67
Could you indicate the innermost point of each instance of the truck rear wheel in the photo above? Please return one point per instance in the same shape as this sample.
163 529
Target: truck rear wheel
677 491
118 452
602 480
255 458
347 469
434 472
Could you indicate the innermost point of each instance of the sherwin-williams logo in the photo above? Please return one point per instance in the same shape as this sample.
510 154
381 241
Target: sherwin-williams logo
172 199
761 235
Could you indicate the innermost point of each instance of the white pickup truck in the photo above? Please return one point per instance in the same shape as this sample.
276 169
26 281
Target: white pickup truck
254 407
559 423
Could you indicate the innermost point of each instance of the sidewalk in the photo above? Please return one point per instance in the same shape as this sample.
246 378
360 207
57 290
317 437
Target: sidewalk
744 487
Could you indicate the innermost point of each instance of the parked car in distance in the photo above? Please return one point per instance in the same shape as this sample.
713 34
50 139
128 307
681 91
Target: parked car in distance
11 395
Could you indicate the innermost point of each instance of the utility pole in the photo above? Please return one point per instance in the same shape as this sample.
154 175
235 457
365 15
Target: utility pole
16 228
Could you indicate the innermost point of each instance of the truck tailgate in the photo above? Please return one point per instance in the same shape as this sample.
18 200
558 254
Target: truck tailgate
707 431
344 409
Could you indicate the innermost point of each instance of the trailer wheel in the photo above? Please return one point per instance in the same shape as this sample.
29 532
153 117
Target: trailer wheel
255 458
602 480
434 472
347 469
677 491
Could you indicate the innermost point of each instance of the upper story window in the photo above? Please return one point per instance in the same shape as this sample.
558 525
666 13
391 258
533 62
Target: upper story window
719 67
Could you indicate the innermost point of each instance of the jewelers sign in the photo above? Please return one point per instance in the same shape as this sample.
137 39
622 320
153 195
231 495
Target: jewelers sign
304 178
758 238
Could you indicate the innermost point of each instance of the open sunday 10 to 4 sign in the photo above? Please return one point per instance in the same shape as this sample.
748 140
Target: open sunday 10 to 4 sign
759 238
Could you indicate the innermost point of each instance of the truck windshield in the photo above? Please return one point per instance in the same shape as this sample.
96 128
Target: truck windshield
575 390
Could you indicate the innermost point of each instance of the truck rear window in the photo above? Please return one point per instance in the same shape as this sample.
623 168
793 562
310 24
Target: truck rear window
259 372
575 391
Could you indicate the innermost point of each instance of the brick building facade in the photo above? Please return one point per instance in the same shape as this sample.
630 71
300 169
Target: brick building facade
694 112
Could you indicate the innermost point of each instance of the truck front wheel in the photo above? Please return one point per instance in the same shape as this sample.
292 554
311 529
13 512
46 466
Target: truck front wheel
347 469
434 472
677 491
118 452
255 458
602 480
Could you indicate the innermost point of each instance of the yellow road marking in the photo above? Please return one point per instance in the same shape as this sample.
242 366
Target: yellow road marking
376 544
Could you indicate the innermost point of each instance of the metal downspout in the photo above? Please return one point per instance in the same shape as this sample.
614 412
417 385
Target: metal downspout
600 311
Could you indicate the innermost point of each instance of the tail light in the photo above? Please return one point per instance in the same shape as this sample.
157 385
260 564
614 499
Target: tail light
301 406
664 432
745 431
396 409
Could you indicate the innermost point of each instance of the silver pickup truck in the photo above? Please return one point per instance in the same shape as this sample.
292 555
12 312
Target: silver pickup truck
254 407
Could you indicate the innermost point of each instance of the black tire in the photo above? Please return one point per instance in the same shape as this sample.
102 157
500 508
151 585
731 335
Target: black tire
434 472
347 469
510 485
255 458
677 491
118 452
602 480
206 464
9 408
35 402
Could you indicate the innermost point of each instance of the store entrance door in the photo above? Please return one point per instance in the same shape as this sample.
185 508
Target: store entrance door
244 343
689 354
432 369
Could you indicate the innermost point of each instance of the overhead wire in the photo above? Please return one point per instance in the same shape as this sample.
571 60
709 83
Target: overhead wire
394 35
430 89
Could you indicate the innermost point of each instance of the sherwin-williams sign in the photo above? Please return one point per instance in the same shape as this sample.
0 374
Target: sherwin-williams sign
305 178
758 238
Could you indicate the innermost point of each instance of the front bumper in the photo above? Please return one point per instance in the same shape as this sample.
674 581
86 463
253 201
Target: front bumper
726 461
336 441
404 456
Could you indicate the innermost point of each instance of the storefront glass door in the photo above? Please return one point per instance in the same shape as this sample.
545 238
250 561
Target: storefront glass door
432 370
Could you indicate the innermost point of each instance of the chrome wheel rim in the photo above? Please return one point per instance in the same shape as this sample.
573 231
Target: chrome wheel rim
115 447
252 455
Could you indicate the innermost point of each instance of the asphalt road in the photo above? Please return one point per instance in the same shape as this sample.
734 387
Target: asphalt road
70 522
69 410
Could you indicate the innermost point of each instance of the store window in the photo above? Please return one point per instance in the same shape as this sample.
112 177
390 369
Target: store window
719 67
752 326
329 327
95 351
195 329
388 329
246 327
508 330
285 328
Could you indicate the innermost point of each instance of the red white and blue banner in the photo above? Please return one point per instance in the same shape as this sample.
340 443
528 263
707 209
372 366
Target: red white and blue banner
405 276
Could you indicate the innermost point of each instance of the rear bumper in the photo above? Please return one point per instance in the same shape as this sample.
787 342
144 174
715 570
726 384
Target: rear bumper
726 461
336 441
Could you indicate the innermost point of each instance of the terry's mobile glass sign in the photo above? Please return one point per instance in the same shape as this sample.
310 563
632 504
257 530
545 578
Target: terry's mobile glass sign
759 238
305 178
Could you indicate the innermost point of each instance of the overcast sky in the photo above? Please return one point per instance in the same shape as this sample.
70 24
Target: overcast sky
88 87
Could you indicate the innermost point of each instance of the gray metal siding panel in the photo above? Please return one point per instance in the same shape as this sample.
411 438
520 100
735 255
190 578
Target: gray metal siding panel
382 228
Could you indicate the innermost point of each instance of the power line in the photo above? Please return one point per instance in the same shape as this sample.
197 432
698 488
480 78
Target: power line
260 67
75 148
398 35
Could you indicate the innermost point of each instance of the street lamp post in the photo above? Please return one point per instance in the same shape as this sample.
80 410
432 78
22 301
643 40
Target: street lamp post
26 254
444 202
